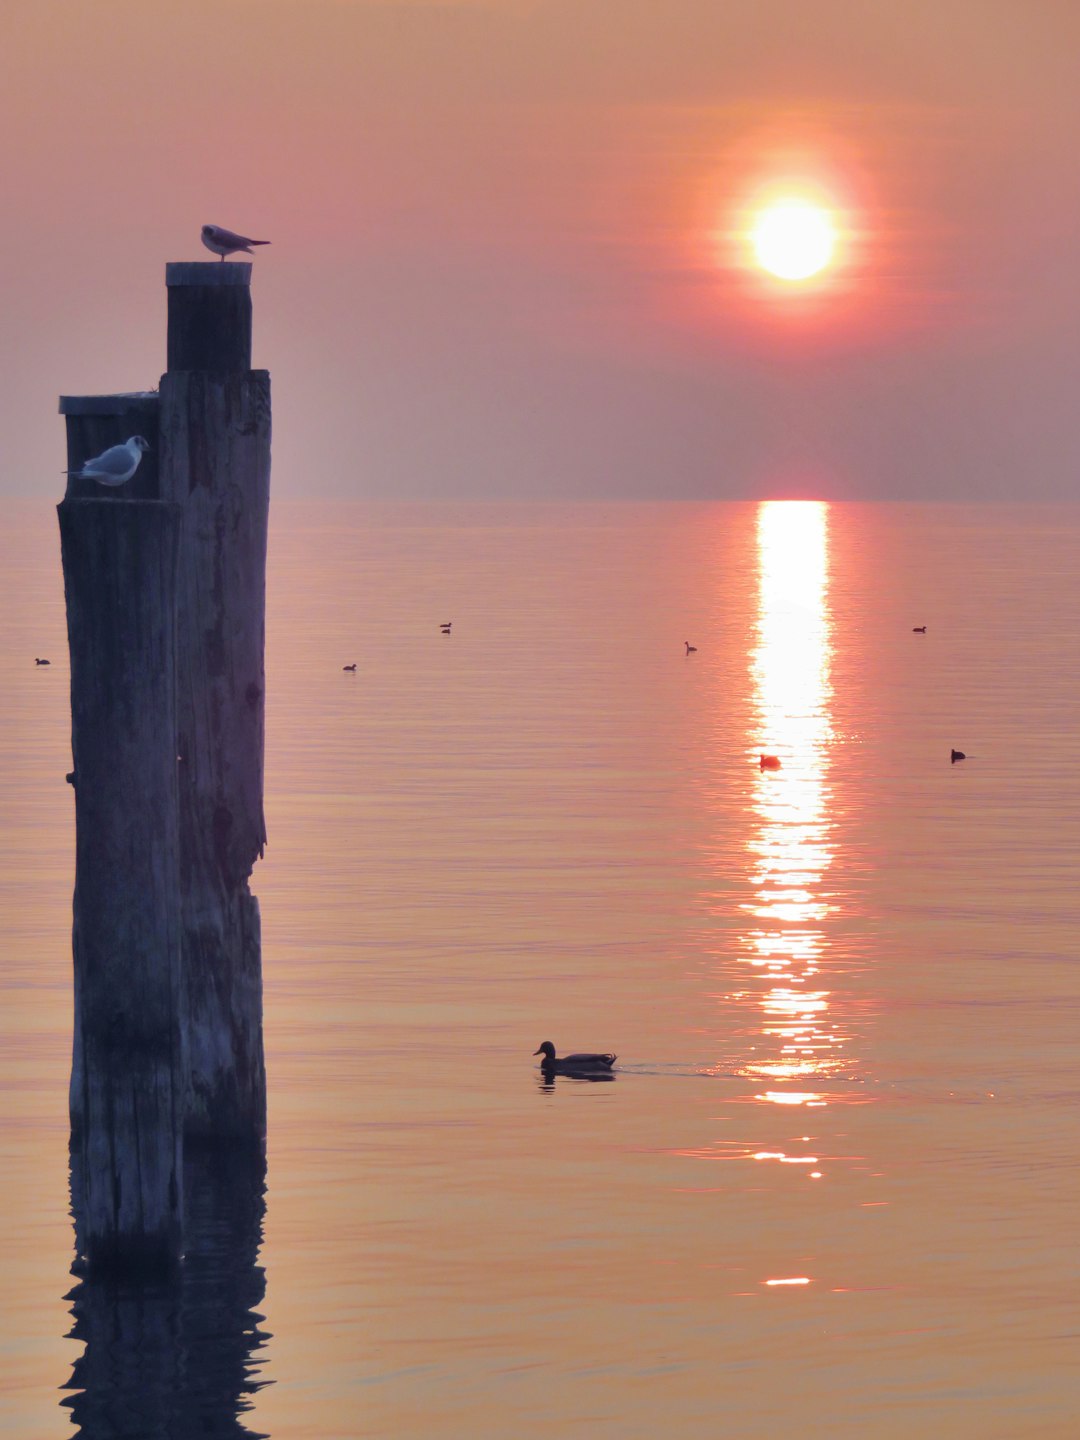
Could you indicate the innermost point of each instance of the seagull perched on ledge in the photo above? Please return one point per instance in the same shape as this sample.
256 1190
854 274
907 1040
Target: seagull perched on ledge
223 242
116 465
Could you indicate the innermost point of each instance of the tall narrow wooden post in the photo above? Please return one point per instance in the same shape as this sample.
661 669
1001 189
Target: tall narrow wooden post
120 561
215 462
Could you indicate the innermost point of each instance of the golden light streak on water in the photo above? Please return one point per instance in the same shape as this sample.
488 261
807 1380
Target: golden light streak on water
792 1097
790 849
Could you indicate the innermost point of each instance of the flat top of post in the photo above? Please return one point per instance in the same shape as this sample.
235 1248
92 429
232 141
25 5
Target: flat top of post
123 404
208 272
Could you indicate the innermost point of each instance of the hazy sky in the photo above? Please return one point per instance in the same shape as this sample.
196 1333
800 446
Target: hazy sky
507 252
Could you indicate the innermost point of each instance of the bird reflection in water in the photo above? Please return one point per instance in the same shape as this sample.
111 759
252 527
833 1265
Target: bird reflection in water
548 1078
790 845
176 1359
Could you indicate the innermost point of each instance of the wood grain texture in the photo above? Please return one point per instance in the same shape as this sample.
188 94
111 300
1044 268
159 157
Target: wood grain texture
215 432
126 1098
209 316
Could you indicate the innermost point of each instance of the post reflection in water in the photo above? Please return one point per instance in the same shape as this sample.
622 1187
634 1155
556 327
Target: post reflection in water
172 1360
797 1042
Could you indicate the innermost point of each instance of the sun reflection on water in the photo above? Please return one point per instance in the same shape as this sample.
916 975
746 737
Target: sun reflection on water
790 849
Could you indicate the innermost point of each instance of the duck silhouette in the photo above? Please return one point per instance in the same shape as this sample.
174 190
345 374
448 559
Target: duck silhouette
348 667
690 649
585 1063
918 629
955 755
769 762
37 661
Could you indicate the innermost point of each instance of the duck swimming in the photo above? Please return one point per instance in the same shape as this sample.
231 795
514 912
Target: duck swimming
583 1064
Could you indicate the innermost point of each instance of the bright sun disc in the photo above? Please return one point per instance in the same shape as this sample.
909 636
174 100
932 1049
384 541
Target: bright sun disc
793 239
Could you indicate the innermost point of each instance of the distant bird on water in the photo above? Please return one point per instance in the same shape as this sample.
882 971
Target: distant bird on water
224 242
41 662
769 762
446 628
918 629
583 1064
116 465
690 649
348 667
956 755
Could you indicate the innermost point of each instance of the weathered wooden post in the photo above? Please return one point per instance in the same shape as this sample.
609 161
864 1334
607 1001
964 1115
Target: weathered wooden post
126 1098
215 463
164 580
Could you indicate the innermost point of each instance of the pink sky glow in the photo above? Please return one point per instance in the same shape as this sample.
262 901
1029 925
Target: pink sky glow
508 252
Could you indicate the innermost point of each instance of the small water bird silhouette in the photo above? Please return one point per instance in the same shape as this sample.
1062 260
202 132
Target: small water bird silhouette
690 649
583 1064
224 242
955 755
769 762
446 628
37 661
348 667
116 465
918 629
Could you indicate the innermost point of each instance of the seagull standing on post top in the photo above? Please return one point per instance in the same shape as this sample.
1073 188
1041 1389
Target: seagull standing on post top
223 242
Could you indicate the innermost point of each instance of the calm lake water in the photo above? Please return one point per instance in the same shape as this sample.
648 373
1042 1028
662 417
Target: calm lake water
832 1191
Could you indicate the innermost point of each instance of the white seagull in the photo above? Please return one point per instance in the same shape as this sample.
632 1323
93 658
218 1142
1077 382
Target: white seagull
224 242
116 465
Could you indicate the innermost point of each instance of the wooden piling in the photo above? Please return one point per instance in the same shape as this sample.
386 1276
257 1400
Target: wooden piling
209 316
126 1097
215 462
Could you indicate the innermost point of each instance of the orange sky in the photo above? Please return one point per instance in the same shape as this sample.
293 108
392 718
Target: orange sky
503 261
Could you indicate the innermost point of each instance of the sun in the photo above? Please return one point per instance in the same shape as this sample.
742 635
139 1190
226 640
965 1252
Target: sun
793 239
